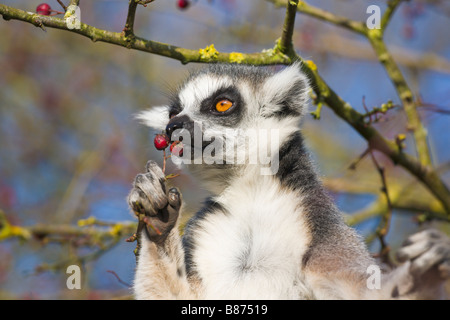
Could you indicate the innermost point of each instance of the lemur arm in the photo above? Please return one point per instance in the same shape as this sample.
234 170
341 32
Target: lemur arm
161 272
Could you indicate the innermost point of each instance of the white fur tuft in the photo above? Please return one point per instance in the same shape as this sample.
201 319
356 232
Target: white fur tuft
155 118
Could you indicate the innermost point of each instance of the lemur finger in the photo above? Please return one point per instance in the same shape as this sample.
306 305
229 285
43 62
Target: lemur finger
414 250
154 168
428 234
152 188
429 259
159 226
139 202
174 197
173 208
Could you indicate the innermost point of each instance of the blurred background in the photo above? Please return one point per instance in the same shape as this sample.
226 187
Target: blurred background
70 148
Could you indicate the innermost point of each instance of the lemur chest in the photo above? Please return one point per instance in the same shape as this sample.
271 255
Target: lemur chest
255 248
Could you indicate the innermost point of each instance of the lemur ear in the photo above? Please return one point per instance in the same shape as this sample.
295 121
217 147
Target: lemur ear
285 93
155 118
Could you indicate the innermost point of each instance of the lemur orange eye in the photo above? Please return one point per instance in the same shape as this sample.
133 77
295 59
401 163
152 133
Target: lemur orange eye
223 105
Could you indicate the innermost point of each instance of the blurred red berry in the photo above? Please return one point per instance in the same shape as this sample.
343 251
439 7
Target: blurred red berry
408 31
183 4
44 9
177 148
7 196
161 141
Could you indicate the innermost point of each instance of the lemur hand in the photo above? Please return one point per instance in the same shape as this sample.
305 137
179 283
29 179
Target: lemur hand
429 254
160 207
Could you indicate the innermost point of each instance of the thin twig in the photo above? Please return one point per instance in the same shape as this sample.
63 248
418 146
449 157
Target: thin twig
377 110
144 2
148 223
354 163
366 109
434 108
118 278
62 5
164 161
303 7
387 16
79 259
383 229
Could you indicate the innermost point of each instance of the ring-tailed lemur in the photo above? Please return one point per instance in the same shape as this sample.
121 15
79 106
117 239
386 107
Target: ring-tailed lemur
261 236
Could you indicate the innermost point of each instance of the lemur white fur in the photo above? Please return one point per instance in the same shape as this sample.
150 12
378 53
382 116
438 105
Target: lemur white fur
263 236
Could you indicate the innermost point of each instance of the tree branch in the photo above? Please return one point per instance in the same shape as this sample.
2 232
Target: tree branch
376 141
386 217
285 44
74 3
90 231
267 57
405 94
375 38
355 26
62 5
357 50
380 208
387 16
129 25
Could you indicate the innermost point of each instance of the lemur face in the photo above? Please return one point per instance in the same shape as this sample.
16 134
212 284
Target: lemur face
220 100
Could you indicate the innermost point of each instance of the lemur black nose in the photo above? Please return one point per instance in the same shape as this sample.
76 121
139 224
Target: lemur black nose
172 126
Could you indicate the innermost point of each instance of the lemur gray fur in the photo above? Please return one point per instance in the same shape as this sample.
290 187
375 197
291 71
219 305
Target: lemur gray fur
262 236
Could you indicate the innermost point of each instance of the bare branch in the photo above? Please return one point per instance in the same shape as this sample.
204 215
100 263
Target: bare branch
89 232
285 43
376 141
406 96
268 57
387 16
129 25
62 5
355 26
383 228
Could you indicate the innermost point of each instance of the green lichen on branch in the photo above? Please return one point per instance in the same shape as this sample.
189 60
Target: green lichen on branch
92 231
209 54
181 54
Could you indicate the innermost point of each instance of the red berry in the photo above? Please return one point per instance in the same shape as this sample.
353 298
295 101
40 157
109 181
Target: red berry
183 4
161 141
408 31
44 9
177 148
